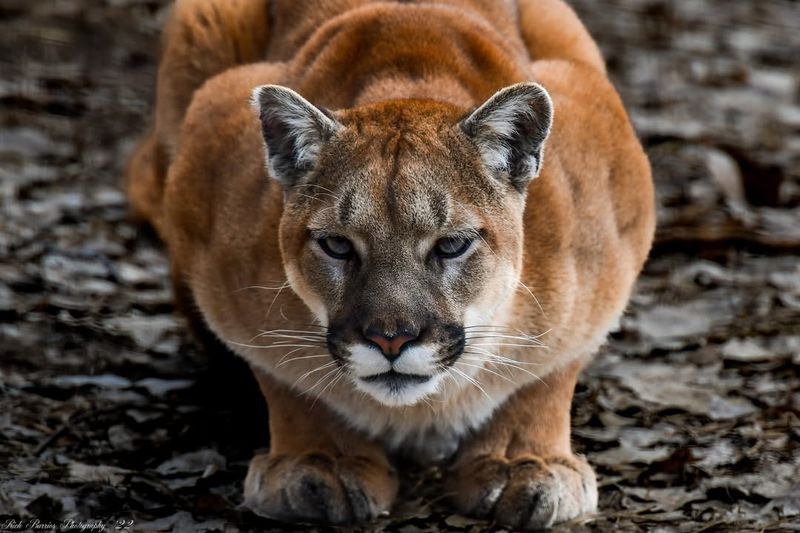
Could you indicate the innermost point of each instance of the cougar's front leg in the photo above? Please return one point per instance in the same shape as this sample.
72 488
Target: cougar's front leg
519 470
317 469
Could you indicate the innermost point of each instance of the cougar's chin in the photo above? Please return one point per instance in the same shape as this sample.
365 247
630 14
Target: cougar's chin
397 389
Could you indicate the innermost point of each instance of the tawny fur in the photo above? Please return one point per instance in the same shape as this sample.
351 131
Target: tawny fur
199 178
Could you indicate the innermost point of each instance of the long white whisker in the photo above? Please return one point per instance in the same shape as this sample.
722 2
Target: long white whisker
487 370
320 380
492 334
498 336
288 338
495 364
330 385
304 376
260 287
516 367
319 187
535 299
316 356
295 331
290 353
472 381
508 344
292 332
487 245
308 196
498 330
271 346
275 299
497 357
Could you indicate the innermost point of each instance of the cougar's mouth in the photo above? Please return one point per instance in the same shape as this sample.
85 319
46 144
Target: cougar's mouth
394 380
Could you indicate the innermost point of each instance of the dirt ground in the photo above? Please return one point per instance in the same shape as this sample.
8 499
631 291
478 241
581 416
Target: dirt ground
690 414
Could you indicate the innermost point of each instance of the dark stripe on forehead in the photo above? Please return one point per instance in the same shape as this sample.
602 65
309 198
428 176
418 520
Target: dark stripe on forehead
439 208
346 208
392 150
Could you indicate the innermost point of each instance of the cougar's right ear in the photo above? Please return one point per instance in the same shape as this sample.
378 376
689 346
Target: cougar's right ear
294 131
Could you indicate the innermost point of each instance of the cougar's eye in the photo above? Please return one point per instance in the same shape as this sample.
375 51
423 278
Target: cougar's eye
454 246
336 247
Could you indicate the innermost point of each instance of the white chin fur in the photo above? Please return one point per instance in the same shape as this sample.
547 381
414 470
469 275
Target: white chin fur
406 395
420 360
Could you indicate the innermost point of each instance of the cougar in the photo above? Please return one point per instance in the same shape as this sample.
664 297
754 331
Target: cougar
416 221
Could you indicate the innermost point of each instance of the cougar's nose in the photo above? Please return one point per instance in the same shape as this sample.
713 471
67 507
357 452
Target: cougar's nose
390 345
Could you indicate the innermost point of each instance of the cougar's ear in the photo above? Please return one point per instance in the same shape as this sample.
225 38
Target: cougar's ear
294 131
510 129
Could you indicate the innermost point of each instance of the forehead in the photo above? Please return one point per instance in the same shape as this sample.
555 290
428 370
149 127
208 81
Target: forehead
400 187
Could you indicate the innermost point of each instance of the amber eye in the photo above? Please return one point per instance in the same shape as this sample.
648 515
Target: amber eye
453 246
336 247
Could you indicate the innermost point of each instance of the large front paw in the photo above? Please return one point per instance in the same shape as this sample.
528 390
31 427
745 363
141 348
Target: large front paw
316 487
527 492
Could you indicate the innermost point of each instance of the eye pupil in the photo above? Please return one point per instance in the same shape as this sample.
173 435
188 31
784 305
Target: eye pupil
450 247
336 247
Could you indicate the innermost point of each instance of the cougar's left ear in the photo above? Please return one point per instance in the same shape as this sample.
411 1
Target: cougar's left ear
294 131
509 130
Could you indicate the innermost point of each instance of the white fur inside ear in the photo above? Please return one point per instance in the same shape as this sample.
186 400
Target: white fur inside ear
294 131
510 129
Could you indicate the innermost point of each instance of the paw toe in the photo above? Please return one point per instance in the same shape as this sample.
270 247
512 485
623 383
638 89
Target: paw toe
529 500
309 488
528 492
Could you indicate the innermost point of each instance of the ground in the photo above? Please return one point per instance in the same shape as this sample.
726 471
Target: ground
690 413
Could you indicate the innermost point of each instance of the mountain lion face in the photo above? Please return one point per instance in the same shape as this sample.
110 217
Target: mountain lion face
402 225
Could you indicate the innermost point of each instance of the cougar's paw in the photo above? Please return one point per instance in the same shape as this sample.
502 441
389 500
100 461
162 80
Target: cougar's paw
528 492
319 488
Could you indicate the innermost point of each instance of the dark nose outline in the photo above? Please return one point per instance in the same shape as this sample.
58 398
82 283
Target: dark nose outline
390 345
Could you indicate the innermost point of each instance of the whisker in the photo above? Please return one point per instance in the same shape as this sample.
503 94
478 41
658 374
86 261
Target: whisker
472 381
270 346
494 335
502 337
516 367
319 187
316 356
495 364
304 376
290 353
487 245
320 380
486 350
280 287
275 332
330 385
481 367
508 344
489 329
292 331
275 299
288 338
304 195
535 299
501 357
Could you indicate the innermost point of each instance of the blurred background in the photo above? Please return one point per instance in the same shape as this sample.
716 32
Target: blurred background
691 413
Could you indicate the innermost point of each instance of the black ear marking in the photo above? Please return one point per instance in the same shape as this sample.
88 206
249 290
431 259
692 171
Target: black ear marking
294 131
510 130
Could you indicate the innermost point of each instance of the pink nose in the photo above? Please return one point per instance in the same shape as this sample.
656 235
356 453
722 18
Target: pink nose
390 346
